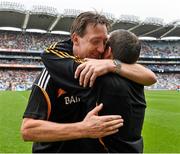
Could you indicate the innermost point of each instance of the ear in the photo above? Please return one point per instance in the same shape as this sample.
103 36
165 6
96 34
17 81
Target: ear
75 39
108 53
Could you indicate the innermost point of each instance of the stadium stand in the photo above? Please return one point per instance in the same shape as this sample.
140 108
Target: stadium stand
20 61
17 79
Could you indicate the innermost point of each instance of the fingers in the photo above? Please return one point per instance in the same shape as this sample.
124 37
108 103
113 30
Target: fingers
92 79
106 118
83 74
96 110
112 127
114 124
100 126
86 73
110 132
78 70
87 77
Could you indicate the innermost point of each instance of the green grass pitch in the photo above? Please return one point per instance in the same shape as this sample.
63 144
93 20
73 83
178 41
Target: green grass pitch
161 129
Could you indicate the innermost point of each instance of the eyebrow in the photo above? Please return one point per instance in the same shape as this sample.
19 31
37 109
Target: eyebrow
94 38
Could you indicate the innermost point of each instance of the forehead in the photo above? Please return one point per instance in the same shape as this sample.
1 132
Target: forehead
98 30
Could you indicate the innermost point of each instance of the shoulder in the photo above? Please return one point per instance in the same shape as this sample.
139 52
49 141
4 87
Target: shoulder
44 81
113 82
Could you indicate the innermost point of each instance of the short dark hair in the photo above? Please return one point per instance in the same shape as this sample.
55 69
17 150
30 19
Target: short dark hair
125 46
84 19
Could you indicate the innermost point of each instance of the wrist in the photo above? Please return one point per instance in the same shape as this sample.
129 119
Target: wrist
82 130
117 66
108 65
111 66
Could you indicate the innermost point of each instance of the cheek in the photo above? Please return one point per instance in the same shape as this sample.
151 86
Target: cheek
86 48
83 51
91 49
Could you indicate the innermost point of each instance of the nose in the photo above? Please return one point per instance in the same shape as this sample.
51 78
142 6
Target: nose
101 48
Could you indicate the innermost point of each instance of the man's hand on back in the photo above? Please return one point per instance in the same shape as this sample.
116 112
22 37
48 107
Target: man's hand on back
94 126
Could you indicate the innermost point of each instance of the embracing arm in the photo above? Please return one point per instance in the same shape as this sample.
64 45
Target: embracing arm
138 73
63 69
92 68
92 126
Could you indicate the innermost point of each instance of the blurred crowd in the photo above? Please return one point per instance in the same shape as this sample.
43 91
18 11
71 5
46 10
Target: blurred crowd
23 80
22 61
163 68
160 48
38 42
17 79
166 81
27 41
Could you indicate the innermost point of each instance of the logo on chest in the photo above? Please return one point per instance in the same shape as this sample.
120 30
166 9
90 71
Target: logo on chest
71 99
67 99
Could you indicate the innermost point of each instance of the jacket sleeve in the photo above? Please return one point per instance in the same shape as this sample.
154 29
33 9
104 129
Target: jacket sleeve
61 67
